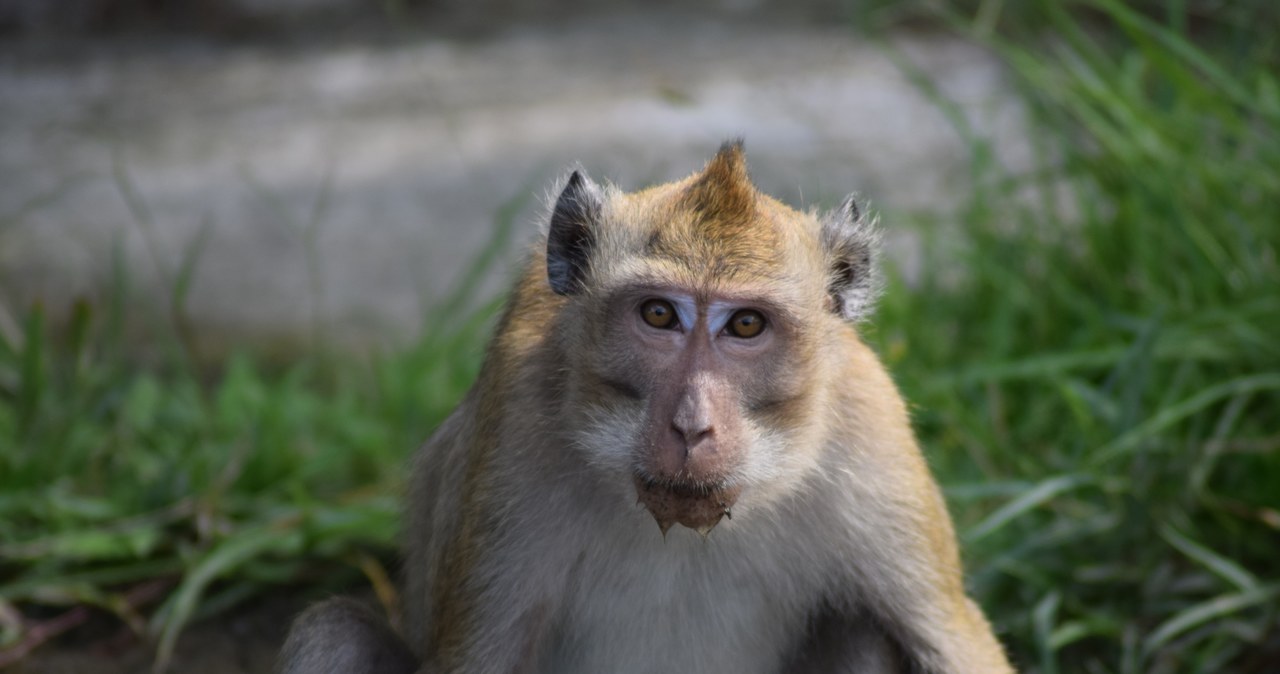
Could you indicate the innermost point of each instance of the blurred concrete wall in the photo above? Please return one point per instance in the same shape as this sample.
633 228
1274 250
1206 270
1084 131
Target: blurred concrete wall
348 182
81 16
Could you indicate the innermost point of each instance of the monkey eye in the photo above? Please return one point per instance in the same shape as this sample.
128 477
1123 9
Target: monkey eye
746 323
659 314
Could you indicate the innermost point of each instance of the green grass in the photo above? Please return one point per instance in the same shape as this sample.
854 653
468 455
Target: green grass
1095 360
1091 352
115 473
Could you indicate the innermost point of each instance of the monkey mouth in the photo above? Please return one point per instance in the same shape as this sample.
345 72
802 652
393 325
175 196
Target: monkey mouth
698 505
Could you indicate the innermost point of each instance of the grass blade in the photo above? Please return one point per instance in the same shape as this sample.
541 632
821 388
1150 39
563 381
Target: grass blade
1171 415
1219 565
1036 496
1213 609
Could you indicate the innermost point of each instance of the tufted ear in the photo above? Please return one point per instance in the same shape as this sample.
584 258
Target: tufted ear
572 234
852 244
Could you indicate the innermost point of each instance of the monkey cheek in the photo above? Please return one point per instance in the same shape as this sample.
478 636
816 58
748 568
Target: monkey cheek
697 507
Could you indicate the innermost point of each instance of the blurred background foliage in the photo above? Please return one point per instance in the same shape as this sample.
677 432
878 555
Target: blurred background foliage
1092 360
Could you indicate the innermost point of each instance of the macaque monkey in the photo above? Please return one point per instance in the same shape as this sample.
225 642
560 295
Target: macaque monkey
678 457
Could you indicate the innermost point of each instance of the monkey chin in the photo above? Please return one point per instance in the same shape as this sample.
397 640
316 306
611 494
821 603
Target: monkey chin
697 505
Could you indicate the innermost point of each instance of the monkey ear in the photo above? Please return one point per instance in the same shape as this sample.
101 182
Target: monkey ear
572 234
852 245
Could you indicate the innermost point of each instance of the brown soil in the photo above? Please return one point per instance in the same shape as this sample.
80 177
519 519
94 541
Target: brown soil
243 641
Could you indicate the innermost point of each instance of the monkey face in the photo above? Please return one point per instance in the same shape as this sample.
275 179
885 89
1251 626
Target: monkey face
701 393
691 318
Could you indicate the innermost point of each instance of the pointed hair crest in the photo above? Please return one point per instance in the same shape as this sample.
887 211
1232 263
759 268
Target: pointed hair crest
722 194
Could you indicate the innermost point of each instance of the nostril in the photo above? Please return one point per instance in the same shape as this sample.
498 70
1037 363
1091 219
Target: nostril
692 435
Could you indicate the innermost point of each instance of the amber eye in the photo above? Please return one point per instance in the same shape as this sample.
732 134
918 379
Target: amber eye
658 313
746 324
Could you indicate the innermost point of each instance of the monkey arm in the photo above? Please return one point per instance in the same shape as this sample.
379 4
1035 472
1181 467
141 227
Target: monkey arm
908 580
498 617
431 518
469 610
903 571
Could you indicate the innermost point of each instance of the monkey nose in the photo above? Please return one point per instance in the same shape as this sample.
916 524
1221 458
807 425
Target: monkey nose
692 420
693 432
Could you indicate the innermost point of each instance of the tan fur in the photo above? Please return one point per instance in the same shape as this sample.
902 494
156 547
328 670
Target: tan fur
526 552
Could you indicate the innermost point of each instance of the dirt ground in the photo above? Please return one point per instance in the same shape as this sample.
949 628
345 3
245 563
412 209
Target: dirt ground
242 642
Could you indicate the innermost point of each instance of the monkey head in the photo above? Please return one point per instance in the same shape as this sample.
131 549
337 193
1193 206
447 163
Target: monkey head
691 322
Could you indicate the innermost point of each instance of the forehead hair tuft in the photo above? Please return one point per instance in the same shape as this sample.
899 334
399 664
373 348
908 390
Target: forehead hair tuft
722 195
717 226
